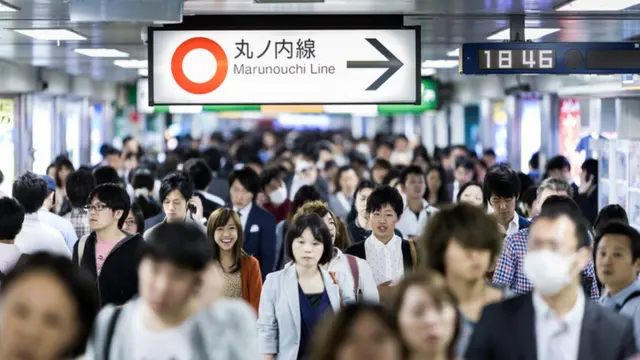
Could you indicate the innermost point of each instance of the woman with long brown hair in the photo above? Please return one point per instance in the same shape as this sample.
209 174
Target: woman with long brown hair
427 316
242 271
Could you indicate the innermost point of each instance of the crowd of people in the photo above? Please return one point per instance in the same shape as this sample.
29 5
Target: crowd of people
285 246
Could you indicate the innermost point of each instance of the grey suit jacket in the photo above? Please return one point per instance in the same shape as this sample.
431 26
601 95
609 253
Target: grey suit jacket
506 331
279 327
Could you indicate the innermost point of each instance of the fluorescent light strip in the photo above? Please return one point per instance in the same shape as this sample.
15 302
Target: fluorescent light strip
6 7
143 72
454 53
131 64
51 34
529 33
102 53
428 71
598 5
439 64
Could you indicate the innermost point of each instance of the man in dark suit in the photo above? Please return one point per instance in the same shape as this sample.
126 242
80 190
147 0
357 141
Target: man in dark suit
201 176
555 321
258 224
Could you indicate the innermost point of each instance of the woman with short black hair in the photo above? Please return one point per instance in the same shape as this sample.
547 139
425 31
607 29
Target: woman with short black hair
295 298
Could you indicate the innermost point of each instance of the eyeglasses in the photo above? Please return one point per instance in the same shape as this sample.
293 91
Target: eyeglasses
130 222
96 207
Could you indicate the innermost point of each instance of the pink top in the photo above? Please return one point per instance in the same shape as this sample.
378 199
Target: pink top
103 248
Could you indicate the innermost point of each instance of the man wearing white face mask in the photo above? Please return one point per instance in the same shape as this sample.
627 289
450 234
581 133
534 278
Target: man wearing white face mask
509 267
556 321
277 201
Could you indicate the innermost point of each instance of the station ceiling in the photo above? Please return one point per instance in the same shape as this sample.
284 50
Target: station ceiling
446 24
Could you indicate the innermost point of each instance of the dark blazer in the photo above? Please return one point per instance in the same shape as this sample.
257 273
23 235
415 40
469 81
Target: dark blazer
219 186
260 238
154 220
506 331
523 223
208 204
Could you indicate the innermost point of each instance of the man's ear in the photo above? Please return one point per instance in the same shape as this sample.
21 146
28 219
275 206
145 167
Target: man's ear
118 214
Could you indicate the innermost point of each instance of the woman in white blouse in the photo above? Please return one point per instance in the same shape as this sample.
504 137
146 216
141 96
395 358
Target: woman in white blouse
364 286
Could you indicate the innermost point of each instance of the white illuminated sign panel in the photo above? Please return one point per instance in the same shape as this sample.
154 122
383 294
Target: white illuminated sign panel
285 67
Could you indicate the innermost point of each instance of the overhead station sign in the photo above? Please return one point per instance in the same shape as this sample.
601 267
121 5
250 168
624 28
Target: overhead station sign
284 67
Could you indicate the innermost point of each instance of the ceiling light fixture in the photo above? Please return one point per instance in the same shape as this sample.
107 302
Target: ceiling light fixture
598 5
6 7
51 34
143 72
102 53
529 33
439 64
131 64
454 53
428 71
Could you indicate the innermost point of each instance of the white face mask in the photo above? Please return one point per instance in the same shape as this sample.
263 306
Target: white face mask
548 271
278 196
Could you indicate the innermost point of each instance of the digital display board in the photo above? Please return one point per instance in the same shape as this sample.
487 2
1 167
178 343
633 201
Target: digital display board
550 58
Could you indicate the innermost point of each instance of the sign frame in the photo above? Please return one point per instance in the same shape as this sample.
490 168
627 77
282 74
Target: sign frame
418 56
581 52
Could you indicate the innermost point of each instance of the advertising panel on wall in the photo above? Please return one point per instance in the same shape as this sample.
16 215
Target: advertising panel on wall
7 143
500 121
569 134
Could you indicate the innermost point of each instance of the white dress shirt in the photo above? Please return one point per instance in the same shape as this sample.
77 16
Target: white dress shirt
412 225
37 236
386 261
514 225
547 324
244 214
61 224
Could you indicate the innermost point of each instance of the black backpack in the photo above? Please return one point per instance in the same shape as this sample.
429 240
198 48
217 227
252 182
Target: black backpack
630 297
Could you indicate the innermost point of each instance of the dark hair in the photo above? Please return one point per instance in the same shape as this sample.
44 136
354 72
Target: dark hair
558 162
80 287
382 164
467 185
136 210
30 190
411 170
525 182
624 229
183 244
489 152
321 209
143 178
534 161
528 197
435 285
465 162
11 218
555 207
443 194
304 194
2 176
78 187
468 225
61 161
342 170
385 195
319 230
268 175
176 180
609 213
333 331
364 184
200 173
501 181
590 166
220 218
106 175
114 197
248 178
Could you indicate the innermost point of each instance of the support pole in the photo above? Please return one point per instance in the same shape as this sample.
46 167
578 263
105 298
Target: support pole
516 28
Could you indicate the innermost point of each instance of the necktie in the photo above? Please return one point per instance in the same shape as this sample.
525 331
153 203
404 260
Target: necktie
557 343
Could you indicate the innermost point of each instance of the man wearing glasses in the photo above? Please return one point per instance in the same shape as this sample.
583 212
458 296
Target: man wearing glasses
108 253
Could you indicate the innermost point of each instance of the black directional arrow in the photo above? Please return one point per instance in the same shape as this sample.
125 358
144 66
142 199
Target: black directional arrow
392 64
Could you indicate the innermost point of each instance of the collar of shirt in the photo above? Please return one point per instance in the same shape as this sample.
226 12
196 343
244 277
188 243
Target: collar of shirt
619 298
425 205
31 217
244 211
377 244
514 225
545 314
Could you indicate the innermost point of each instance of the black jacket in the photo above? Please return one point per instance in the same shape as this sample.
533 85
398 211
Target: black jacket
118 280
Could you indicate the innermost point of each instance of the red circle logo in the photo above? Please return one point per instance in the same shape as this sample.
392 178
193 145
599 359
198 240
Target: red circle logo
195 87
